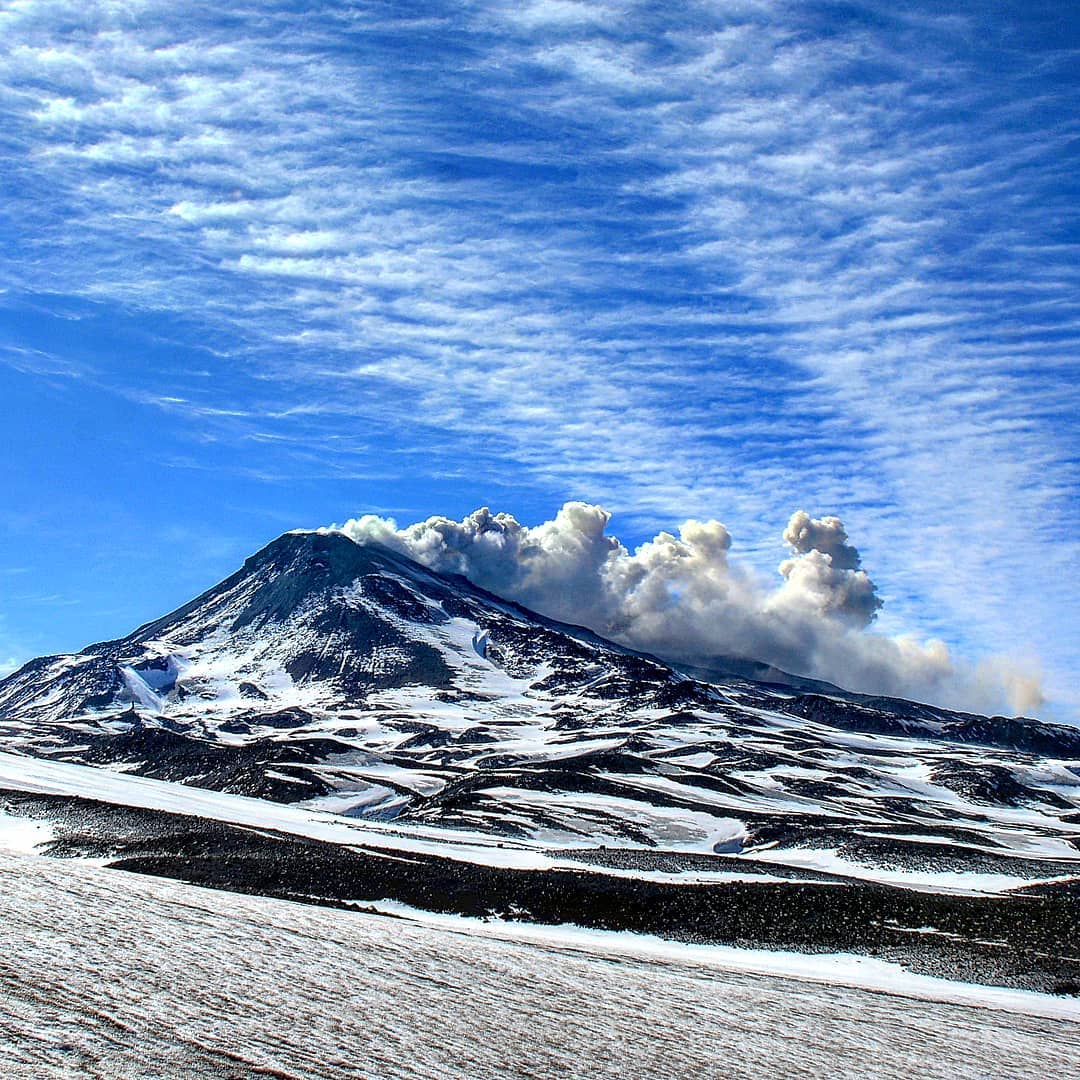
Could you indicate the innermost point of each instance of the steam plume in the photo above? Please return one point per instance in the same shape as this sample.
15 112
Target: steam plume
683 598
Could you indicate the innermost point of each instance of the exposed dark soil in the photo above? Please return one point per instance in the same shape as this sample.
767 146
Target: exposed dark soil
1026 939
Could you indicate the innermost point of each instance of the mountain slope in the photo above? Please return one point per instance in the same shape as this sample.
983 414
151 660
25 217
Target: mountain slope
349 678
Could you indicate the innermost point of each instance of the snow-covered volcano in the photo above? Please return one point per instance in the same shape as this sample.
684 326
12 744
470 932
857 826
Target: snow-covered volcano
350 679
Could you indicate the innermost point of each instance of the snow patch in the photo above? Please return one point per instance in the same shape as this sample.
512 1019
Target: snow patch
23 836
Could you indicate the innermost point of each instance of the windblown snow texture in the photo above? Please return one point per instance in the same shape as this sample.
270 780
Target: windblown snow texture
106 975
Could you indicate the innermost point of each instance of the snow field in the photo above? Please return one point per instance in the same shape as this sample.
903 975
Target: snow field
105 975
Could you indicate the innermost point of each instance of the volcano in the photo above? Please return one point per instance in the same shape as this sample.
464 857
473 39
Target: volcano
348 685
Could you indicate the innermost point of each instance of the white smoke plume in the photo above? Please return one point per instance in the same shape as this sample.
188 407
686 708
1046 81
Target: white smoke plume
682 598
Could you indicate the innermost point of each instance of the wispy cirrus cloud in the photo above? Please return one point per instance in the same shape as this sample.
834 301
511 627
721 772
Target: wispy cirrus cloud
687 261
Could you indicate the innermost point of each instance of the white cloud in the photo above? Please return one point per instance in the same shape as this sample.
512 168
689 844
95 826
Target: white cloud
681 597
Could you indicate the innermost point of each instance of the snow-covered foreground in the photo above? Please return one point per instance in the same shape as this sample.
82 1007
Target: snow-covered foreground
114 975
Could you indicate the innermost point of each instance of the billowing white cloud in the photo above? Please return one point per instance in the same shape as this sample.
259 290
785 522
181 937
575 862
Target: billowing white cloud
682 597
826 535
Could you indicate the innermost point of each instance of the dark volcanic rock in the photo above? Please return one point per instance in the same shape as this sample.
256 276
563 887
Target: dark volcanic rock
1016 940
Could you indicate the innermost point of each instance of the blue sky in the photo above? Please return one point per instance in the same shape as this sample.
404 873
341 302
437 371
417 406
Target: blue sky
281 266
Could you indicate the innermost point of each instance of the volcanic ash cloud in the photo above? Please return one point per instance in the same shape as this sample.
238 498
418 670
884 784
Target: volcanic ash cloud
682 597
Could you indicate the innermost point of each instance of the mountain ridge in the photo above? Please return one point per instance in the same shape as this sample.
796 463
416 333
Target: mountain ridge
315 626
368 555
